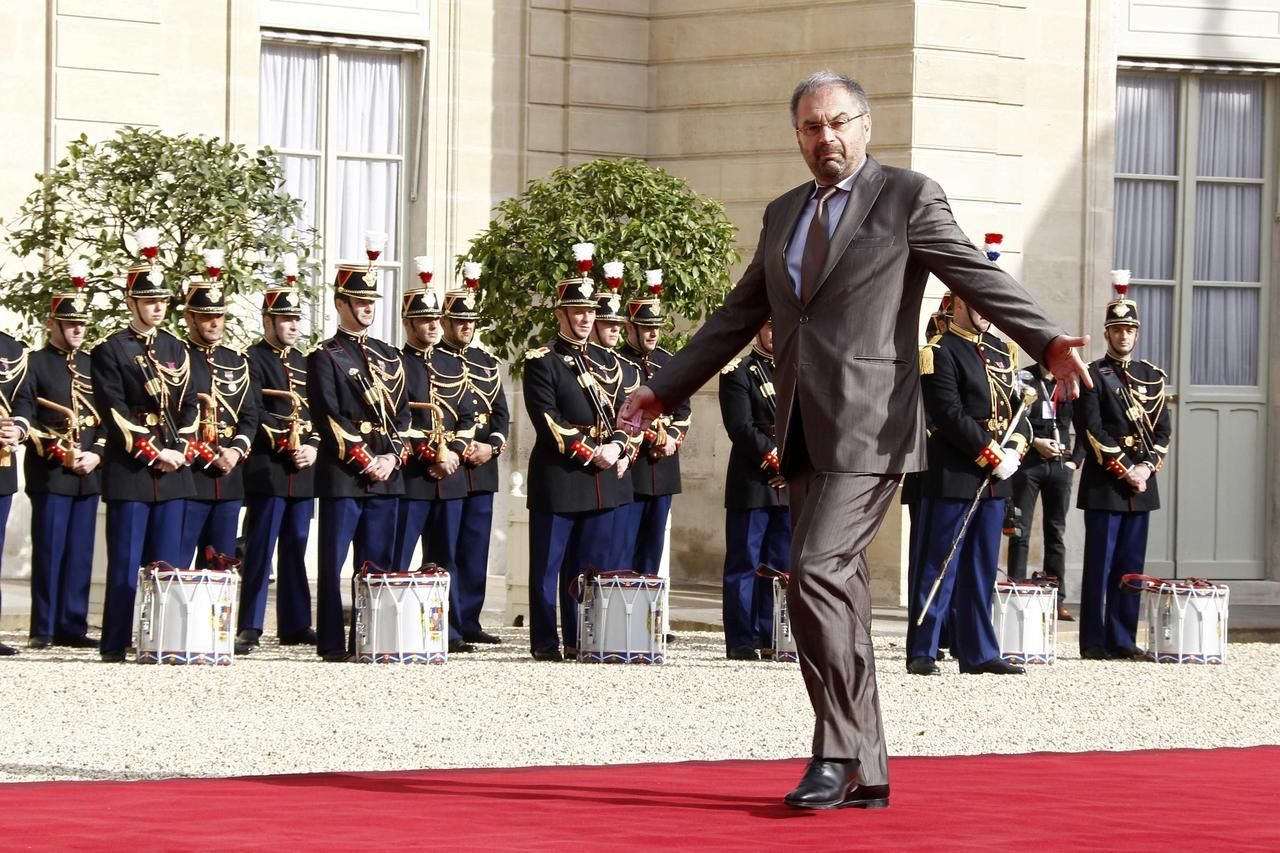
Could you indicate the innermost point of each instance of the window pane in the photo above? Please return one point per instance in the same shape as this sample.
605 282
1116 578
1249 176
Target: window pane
301 178
289 97
1225 336
1230 128
1228 232
1144 228
1155 338
368 200
368 103
1146 124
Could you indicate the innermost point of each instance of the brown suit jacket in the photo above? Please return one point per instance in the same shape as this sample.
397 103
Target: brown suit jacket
847 359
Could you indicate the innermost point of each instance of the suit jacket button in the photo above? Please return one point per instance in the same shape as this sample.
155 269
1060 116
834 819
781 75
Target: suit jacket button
804 318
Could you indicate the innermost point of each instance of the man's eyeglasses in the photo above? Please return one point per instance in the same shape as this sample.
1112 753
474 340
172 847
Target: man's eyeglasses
838 124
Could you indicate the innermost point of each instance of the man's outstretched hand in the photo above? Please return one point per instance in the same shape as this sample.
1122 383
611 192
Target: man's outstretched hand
1064 362
639 410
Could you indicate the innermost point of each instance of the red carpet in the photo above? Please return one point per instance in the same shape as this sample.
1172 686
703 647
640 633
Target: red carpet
1181 799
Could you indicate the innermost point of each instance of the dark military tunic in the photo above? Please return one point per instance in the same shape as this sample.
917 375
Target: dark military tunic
748 409
63 378
228 418
13 371
425 434
474 386
659 476
270 469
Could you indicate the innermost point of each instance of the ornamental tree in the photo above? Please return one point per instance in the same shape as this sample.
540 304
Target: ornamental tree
199 192
634 213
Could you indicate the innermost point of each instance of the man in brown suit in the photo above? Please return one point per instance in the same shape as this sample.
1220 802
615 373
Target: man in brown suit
841 264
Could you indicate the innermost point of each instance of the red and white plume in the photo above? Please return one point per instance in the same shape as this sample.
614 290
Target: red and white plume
1120 281
374 243
148 242
79 272
213 260
471 275
289 263
613 275
582 255
426 267
653 278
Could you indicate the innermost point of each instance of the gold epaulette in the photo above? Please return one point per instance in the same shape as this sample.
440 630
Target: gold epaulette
926 355
731 366
1155 368
531 354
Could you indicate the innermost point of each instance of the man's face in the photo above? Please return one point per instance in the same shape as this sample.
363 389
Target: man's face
1121 340
643 338
355 313
66 335
150 310
967 317
285 329
433 331
417 331
459 333
205 328
576 323
607 333
764 337
831 155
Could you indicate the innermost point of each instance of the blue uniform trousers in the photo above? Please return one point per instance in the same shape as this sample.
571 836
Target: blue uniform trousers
138 534
1115 544
648 524
966 590
62 534
562 546
369 523
946 638
6 501
209 524
276 527
471 563
435 524
752 537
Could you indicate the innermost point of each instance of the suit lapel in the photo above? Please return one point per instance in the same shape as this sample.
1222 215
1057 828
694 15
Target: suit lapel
863 194
798 198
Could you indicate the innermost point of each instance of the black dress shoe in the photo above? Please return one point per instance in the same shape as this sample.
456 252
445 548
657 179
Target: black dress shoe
922 666
1126 653
483 638
248 637
40 642
995 666
78 642
552 655
305 637
670 638
834 785
742 653
570 652
340 656
459 647
1094 653
6 651
243 649
113 657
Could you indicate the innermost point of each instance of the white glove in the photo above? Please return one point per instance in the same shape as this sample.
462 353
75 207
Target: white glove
1009 464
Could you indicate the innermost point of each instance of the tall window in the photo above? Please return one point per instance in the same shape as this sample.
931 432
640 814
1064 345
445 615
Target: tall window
336 116
1189 194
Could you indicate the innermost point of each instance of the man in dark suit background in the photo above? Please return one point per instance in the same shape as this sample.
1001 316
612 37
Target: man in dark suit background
841 264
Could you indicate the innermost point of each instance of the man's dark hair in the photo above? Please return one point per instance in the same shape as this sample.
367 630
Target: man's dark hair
824 79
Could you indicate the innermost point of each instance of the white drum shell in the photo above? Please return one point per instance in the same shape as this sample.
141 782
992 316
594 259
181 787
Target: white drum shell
1185 624
620 620
186 616
784 643
402 618
1025 618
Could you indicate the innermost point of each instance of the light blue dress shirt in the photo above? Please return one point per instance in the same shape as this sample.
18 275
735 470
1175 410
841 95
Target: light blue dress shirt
835 209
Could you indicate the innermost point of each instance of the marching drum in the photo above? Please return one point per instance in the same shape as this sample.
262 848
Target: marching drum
1025 616
187 616
1186 620
620 618
401 617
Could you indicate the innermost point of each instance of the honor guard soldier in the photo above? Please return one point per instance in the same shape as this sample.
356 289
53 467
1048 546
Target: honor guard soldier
142 388
13 431
355 384
469 374
656 473
227 422
63 479
757 518
1124 429
434 484
279 476
605 333
573 468
968 385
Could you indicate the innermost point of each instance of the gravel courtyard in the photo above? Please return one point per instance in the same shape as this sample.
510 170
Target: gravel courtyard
281 710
